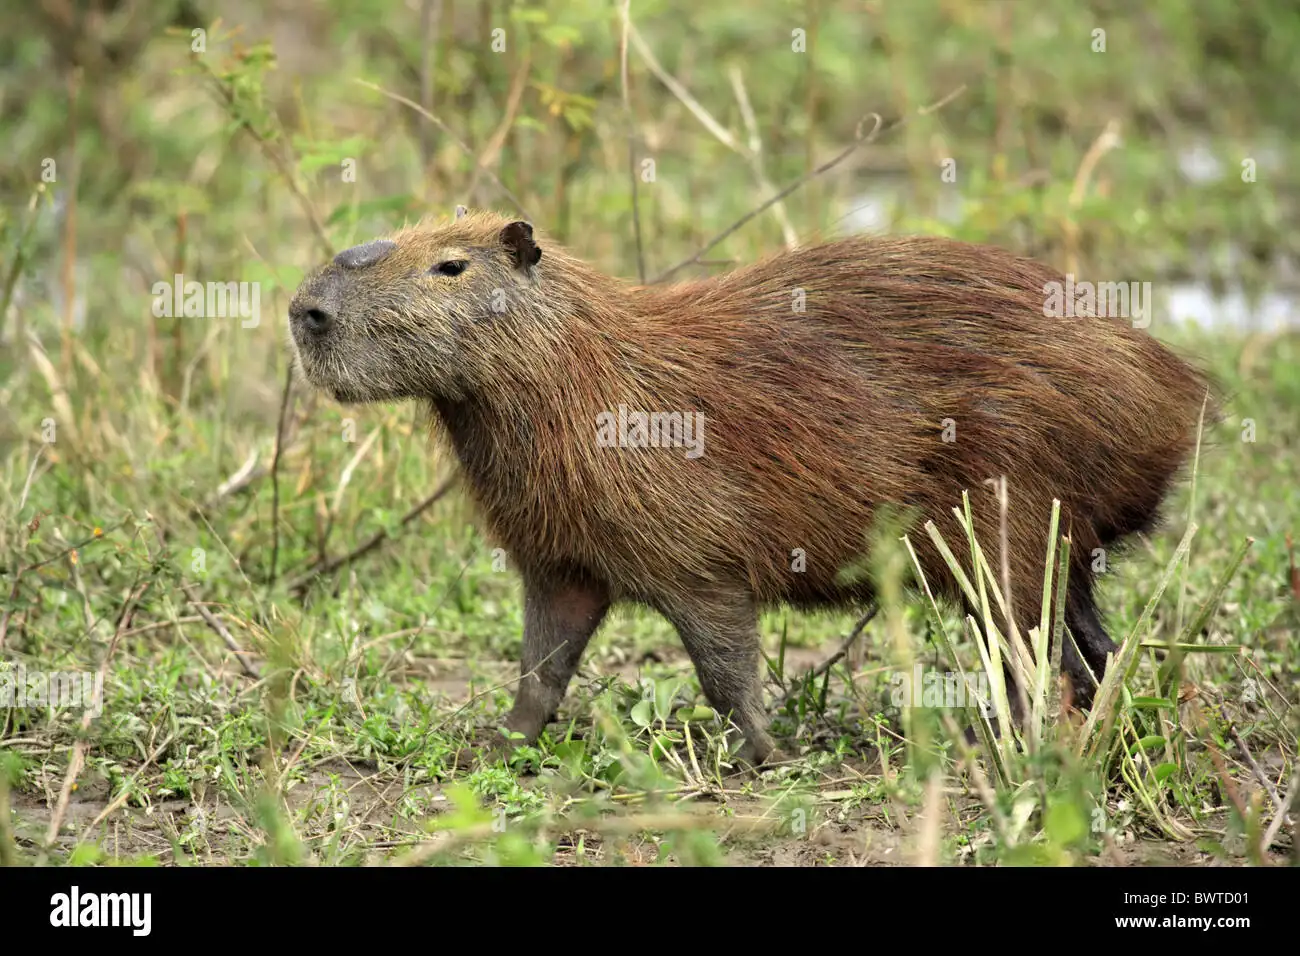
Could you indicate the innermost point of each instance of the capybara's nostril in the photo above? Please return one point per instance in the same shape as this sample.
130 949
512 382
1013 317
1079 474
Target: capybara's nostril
318 320
312 314
317 304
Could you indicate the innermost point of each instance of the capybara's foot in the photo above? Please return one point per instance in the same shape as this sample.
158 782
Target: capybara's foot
758 751
487 746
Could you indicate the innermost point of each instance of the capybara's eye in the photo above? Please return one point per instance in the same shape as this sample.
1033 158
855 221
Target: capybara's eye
452 267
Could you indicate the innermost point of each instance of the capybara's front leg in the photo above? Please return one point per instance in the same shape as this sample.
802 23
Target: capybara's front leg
559 619
719 627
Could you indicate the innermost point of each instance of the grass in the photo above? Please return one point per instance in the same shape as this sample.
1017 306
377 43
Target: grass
341 745
167 507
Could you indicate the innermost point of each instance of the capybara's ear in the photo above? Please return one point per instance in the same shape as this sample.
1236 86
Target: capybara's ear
518 238
461 212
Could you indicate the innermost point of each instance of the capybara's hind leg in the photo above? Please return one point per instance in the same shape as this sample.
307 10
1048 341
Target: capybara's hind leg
559 620
1085 625
720 632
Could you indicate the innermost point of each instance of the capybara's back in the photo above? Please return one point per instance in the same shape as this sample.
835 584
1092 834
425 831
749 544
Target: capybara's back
714 447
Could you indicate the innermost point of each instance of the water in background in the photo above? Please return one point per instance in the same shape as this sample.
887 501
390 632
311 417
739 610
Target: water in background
871 212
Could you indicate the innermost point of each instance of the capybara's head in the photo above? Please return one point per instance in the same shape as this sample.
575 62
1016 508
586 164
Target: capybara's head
414 315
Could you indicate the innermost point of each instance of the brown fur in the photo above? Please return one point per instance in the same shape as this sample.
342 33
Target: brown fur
813 420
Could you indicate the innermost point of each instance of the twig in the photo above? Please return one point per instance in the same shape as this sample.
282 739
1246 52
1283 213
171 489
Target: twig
275 478
1225 778
860 139
631 141
321 568
474 698
79 749
18 572
345 478
159 625
451 134
241 479
682 93
756 155
430 20
59 394
1292 788
1107 140
248 473
16 266
835 658
27 485
126 789
752 153
858 628
215 623
277 160
498 138
1257 770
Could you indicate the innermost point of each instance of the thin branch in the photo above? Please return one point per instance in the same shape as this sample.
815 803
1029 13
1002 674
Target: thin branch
683 94
756 155
345 479
430 20
1107 140
493 149
18 572
452 135
31 471
1292 789
848 641
250 472
275 478
752 153
860 139
321 568
125 795
16 266
242 478
245 662
1257 770
277 160
838 656
78 758
631 141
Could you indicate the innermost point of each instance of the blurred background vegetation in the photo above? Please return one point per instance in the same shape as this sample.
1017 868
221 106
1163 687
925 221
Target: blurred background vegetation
152 138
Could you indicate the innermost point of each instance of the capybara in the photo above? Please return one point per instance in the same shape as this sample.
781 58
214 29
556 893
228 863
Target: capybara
719 446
